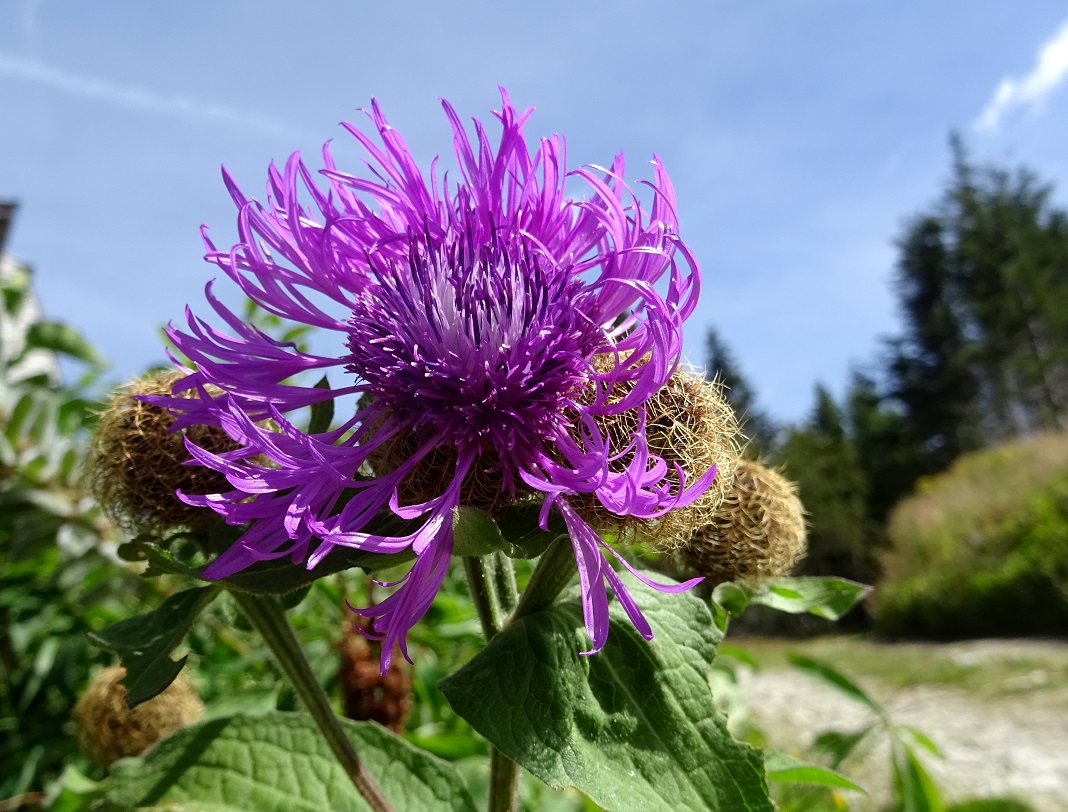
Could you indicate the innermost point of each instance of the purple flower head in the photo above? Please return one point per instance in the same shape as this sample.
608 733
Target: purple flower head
468 314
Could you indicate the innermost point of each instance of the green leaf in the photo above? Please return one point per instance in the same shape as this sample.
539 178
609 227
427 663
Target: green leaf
450 746
516 533
14 288
279 762
633 726
280 576
836 679
519 526
160 561
829 598
475 533
291 600
61 338
915 789
144 643
25 406
73 791
322 413
922 739
720 617
787 769
839 745
731 597
740 654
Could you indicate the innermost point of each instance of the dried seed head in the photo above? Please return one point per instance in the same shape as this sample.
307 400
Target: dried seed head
137 465
758 531
109 730
368 694
688 423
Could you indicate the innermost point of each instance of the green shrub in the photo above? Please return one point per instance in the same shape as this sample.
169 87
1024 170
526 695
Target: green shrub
983 549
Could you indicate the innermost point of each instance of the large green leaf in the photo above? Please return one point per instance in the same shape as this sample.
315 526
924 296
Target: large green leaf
279 762
144 642
633 726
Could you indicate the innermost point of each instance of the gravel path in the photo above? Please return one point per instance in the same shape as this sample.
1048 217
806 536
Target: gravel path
1012 745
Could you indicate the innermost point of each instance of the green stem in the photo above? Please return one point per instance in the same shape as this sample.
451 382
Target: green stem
484 577
483 587
504 783
269 619
504 576
555 569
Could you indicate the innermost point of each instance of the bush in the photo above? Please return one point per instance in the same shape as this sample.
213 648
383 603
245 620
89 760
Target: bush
983 549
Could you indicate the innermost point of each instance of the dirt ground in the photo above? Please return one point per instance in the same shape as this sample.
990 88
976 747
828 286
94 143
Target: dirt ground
998 709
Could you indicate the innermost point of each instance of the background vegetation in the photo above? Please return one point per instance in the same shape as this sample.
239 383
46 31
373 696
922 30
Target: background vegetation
982 361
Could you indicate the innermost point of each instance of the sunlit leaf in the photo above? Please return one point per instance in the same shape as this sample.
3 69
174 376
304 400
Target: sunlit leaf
787 769
144 642
633 726
826 597
280 762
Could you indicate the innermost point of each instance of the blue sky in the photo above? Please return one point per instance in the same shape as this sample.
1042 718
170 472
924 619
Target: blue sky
799 135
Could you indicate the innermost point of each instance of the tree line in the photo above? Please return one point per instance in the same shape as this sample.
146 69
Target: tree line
981 282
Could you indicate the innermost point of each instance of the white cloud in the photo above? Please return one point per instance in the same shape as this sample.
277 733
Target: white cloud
1032 89
186 108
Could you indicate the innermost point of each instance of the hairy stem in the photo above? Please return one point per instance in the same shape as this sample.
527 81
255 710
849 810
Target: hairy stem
487 581
504 576
482 584
269 619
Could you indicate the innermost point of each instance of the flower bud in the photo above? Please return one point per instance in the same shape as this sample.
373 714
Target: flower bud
758 531
108 729
137 465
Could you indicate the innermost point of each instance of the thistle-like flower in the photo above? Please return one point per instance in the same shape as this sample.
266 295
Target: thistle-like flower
468 317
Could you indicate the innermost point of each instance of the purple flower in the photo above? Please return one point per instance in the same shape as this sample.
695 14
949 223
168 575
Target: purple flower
468 312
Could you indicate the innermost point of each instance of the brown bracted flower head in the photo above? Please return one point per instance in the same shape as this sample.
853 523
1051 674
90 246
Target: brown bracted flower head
758 531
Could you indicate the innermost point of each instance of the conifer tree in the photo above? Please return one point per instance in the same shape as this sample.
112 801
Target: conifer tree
722 366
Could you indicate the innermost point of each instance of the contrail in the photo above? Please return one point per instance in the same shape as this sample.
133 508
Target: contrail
129 97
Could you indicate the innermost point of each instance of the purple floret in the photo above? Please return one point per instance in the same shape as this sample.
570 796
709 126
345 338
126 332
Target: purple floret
469 314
